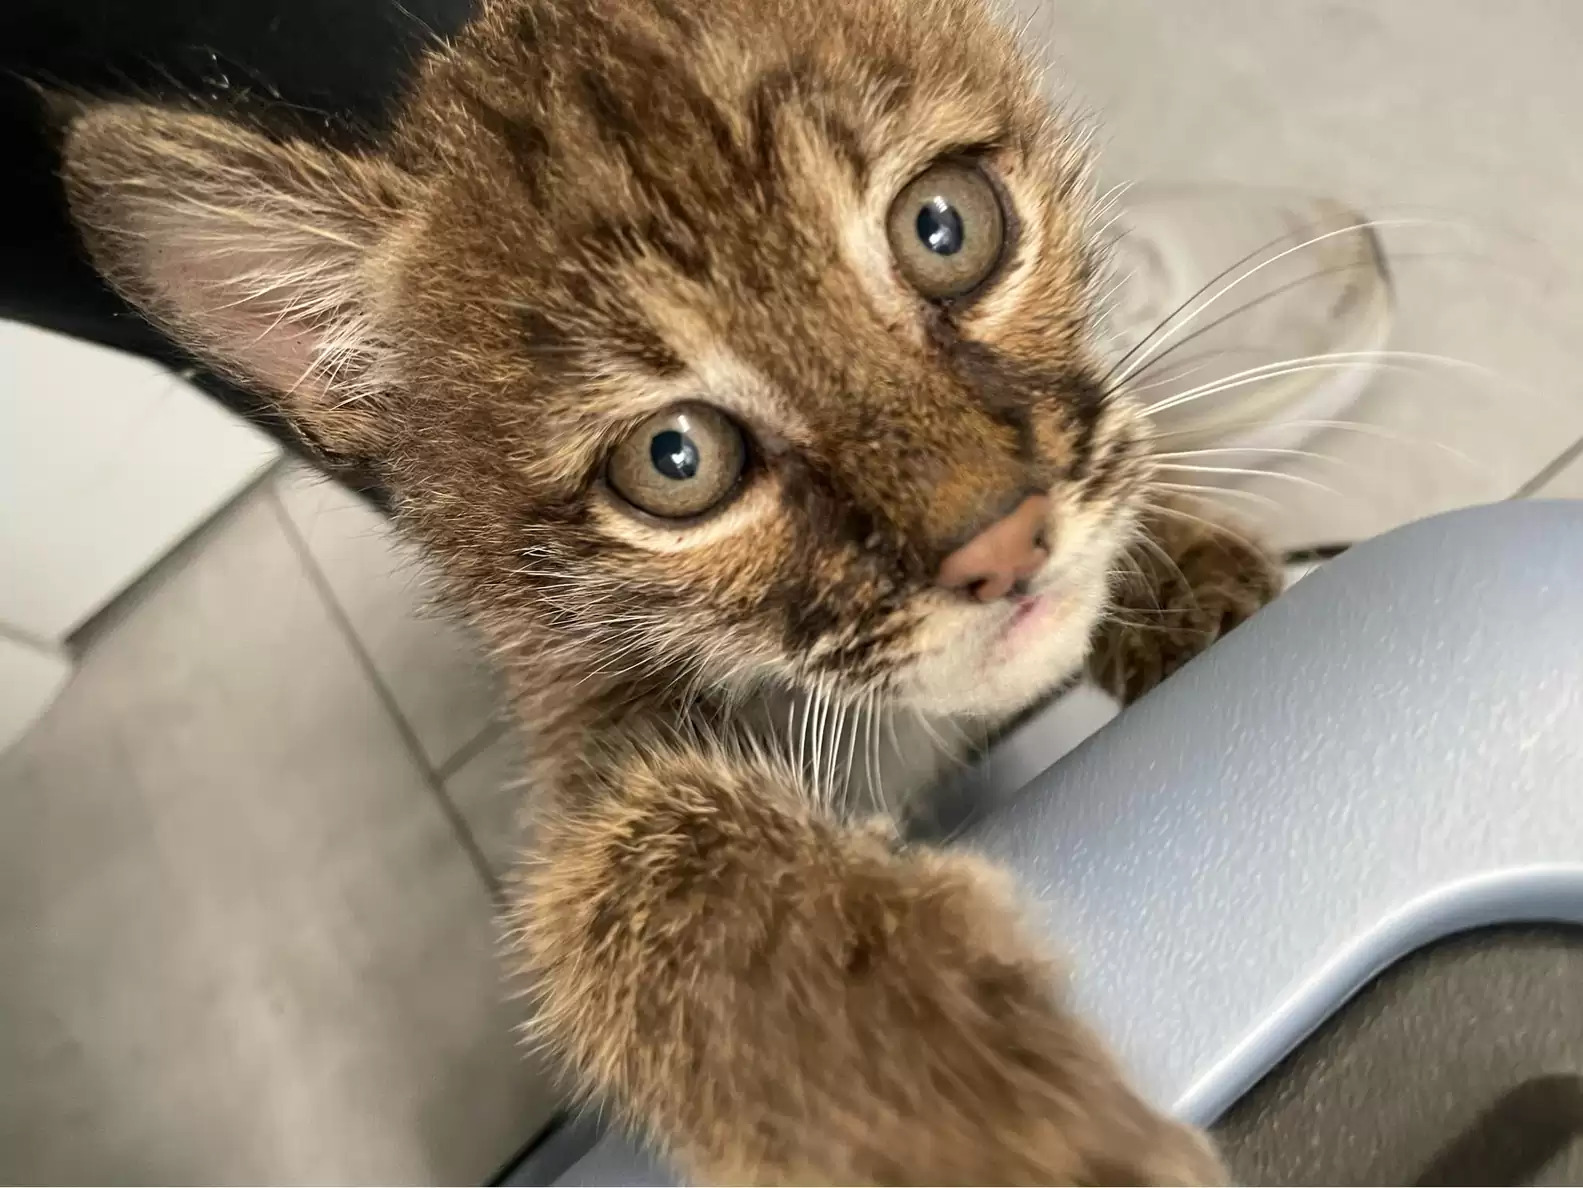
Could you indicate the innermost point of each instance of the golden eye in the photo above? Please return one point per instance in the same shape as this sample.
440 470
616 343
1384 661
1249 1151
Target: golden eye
947 230
679 463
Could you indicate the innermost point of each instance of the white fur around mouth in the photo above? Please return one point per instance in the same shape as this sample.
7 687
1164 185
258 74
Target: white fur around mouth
1029 613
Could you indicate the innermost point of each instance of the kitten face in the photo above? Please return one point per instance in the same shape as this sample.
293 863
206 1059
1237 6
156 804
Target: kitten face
666 349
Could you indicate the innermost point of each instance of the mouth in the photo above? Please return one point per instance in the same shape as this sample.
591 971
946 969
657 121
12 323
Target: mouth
1028 612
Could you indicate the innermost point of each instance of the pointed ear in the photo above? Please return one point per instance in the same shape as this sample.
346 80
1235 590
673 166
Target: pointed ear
259 255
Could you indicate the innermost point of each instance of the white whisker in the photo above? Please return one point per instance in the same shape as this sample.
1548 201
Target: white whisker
823 705
1397 257
1220 451
876 742
1186 315
837 728
1329 361
1253 472
1162 509
1198 490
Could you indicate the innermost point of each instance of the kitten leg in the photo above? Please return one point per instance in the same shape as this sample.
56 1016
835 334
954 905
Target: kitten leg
777 998
1186 582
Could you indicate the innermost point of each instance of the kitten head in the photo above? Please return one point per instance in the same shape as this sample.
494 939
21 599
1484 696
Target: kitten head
701 340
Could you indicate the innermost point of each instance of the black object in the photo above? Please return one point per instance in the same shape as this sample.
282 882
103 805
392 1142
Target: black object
329 67
1462 1064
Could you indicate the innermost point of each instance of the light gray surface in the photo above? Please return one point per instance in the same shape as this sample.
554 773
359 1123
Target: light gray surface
488 791
1391 752
1443 111
432 666
239 941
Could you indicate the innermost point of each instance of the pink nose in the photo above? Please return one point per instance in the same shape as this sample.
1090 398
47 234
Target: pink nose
993 562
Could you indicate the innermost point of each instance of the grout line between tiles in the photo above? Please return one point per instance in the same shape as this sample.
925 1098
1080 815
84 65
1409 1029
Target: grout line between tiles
1549 470
175 558
472 748
453 816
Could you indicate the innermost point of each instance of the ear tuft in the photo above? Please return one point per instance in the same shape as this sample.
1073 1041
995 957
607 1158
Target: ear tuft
257 254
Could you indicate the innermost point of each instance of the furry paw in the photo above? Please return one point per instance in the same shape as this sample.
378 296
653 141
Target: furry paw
1125 1142
1190 581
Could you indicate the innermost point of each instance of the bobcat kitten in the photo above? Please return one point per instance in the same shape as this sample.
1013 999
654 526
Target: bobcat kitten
735 361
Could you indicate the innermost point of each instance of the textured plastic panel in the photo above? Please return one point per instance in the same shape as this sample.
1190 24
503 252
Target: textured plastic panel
1460 1064
1390 753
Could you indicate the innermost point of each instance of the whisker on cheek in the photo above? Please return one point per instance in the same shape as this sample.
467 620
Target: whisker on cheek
1155 342
1397 257
1406 361
1253 472
1361 428
1210 494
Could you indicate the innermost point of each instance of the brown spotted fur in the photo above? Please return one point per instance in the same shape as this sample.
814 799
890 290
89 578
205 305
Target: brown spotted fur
1187 583
581 203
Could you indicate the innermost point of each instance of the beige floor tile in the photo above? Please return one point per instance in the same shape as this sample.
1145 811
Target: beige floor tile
433 668
240 941
488 791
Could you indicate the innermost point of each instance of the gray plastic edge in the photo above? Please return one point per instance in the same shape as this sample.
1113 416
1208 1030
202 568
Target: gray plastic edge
1533 895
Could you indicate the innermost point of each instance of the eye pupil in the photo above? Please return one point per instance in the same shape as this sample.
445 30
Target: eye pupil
674 454
940 227
947 230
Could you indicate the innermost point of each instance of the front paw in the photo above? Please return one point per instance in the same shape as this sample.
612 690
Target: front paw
995 1080
1188 583
1156 1151
1112 1135
775 997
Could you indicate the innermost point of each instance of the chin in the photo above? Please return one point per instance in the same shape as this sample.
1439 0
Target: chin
992 662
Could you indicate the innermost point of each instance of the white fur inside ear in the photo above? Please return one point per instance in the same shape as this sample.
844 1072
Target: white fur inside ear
270 300
255 253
